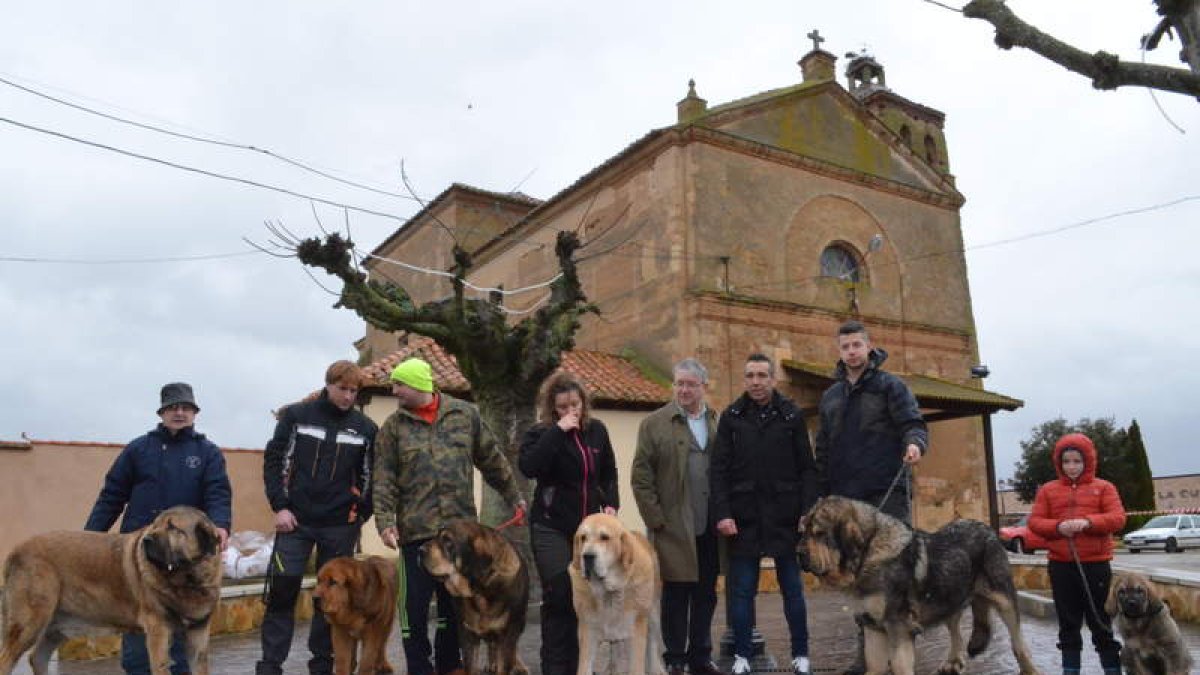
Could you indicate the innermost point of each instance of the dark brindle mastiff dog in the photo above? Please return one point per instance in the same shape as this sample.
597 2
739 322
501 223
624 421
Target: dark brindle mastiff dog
905 580
490 585
161 578
1153 645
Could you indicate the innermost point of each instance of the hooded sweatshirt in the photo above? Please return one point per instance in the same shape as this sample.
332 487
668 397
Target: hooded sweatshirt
1087 497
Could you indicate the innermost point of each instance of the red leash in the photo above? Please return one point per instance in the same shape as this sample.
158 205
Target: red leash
517 519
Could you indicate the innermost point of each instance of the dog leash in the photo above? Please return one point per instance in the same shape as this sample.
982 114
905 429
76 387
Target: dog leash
903 469
517 519
1086 589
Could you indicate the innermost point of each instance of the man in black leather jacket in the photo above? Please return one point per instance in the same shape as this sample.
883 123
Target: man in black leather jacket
317 472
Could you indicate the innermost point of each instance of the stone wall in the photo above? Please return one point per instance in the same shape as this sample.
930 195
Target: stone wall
1181 595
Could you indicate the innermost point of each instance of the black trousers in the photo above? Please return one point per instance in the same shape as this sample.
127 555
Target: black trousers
688 607
560 626
1073 609
288 561
418 587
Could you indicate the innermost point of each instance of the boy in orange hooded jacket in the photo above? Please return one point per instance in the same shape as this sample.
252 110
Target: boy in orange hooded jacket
1077 514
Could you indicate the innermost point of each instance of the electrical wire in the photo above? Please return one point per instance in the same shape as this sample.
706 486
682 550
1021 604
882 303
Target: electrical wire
203 172
203 139
127 261
450 275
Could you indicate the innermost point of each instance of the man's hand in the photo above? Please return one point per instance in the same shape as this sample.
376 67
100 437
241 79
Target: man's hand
390 537
223 535
519 513
912 454
285 521
727 527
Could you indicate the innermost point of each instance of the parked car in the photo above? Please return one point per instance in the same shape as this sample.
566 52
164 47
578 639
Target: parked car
1018 538
1170 533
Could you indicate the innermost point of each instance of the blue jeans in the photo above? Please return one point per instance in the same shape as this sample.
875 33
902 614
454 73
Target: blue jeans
743 586
135 660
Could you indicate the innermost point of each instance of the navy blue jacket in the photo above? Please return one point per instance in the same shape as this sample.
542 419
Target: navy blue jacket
318 463
157 471
865 428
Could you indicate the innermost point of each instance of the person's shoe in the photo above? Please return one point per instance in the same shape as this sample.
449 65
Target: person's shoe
264 668
705 668
676 669
800 666
856 669
741 666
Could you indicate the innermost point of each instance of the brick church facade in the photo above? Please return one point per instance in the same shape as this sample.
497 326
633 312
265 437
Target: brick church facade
756 225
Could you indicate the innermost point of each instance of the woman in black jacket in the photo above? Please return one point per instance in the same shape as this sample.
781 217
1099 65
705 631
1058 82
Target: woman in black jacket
569 455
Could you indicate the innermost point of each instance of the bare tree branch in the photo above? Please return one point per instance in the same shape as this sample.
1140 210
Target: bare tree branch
1105 70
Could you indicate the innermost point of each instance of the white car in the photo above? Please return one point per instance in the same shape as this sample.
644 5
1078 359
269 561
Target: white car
1169 533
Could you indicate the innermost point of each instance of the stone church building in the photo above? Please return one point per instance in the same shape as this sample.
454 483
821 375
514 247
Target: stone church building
755 225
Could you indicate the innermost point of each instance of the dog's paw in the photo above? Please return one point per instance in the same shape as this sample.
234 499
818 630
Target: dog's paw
952 667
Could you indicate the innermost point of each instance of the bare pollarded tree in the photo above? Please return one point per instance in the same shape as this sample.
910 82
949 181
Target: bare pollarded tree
504 362
1180 18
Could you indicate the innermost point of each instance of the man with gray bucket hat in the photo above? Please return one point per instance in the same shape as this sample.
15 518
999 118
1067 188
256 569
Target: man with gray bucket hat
172 465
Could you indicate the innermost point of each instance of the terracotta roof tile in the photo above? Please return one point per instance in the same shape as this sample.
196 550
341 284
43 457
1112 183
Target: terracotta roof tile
609 378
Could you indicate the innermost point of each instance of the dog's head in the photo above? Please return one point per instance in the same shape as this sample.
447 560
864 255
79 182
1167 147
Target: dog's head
462 555
339 582
602 547
835 537
181 540
1133 596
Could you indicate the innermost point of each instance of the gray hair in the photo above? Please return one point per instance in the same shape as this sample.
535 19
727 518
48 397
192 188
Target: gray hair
692 367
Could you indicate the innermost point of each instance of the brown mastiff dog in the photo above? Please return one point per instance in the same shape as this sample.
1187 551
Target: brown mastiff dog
490 585
162 578
358 598
1153 644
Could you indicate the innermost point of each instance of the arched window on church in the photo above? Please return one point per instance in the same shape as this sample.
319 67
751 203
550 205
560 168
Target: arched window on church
840 262
931 150
906 135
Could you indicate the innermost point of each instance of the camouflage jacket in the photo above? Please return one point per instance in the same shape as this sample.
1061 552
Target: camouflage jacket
423 472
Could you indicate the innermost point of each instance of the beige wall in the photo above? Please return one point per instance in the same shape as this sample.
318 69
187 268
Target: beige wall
52 486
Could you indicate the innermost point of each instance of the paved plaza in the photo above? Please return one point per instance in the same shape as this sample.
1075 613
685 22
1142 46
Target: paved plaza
831 641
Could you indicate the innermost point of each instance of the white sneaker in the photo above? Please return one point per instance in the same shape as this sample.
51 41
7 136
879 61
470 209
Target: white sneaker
800 665
740 665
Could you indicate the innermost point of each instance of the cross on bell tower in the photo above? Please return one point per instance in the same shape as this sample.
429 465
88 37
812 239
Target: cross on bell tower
815 36
818 64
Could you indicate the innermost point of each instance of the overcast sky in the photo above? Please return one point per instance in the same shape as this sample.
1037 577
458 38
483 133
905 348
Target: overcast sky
1094 321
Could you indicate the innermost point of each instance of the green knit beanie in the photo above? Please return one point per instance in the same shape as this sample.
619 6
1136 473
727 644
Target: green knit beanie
415 373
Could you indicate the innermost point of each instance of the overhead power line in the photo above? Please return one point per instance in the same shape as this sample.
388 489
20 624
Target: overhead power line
204 172
203 139
126 261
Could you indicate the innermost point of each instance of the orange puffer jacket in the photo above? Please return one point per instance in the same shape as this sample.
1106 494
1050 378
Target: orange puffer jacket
1086 497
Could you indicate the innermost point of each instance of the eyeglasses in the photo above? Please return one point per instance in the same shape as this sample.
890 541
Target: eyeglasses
688 385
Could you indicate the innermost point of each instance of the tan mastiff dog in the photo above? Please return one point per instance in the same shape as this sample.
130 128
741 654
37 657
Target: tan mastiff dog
159 579
615 587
